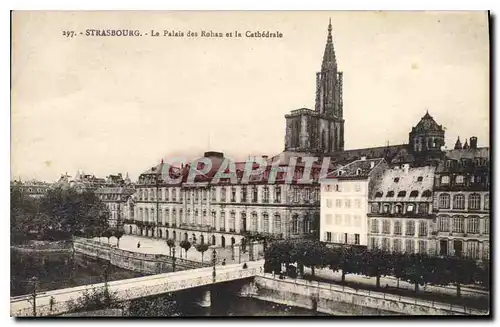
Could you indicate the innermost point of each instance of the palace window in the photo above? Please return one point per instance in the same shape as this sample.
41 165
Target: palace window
196 195
410 228
410 246
357 203
458 201
328 203
338 203
254 222
222 194
243 194
423 208
357 187
265 222
401 194
188 195
444 201
398 208
472 250
386 226
396 245
486 226
473 225
357 220
295 224
474 201
277 223
204 218
347 203
487 202
444 224
386 244
328 219
277 194
390 194
214 194
374 224
387 208
222 220
328 236
233 194
347 220
204 194
422 246
265 194
174 195
356 239
232 221
445 179
458 224
397 227
167 194
214 215
254 194
413 194
338 219
422 228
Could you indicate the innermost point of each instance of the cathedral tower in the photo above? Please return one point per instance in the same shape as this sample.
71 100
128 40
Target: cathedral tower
320 130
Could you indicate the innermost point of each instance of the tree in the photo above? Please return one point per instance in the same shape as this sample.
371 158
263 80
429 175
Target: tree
186 245
118 234
462 271
94 299
163 306
107 234
415 269
171 244
377 263
202 247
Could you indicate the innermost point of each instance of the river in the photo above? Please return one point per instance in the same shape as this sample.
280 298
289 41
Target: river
62 270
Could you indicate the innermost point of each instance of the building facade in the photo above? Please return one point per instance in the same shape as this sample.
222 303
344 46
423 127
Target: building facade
344 202
222 212
401 217
462 203
32 188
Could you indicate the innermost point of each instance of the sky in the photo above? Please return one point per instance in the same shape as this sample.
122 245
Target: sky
120 104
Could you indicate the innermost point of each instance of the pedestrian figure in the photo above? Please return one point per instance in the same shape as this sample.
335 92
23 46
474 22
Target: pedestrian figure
51 302
261 269
138 244
245 266
224 262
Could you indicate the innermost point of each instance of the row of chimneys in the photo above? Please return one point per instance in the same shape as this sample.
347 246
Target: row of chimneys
472 143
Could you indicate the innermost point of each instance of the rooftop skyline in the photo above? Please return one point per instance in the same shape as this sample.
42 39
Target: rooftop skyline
108 105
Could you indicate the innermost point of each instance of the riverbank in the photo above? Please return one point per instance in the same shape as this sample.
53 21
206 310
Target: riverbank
44 246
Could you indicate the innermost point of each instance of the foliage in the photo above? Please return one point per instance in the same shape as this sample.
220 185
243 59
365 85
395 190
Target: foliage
186 245
95 299
415 268
164 306
58 215
202 248
118 234
171 244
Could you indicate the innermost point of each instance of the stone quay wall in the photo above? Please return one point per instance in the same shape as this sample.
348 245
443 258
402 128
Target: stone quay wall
337 300
139 262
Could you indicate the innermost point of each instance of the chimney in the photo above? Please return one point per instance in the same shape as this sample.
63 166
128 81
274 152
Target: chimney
473 142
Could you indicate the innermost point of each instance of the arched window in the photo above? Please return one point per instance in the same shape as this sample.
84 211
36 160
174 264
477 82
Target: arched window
254 194
397 227
295 224
232 221
254 222
474 201
458 201
413 194
222 221
214 215
265 222
444 201
243 222
265 194
277 223
307 224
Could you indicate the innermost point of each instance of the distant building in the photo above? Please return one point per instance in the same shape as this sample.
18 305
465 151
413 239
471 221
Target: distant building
462 202
344 202
119 202
401 218
32 188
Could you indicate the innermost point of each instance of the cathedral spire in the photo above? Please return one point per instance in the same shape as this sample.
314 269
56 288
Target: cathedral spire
329 60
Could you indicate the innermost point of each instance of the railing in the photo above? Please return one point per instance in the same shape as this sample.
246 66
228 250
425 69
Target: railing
128 289
379 295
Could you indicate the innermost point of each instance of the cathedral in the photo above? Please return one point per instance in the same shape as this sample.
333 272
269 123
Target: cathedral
320 132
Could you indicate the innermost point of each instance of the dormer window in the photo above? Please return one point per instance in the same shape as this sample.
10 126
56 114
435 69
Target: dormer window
396 180
390 194
358 171
426 194
413 194
401 194
340 173
379 194
420 178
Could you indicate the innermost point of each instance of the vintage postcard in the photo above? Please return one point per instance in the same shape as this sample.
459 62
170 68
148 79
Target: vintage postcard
205 163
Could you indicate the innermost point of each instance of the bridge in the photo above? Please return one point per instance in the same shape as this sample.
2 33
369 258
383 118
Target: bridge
134 288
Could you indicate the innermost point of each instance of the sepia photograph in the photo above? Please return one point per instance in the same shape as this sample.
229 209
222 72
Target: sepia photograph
250 164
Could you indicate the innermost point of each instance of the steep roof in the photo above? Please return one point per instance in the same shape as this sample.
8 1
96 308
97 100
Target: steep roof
399 180
357 169
427 123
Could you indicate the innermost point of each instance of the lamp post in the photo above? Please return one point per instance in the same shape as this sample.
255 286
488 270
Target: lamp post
173 259
214 261
34 280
